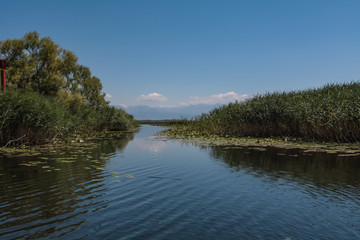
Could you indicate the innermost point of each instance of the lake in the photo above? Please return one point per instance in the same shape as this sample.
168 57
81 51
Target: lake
147 187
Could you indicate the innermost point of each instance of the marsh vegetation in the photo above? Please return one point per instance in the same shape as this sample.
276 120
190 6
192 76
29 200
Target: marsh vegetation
330 113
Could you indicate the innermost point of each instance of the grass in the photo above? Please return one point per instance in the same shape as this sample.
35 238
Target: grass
327 114
29 118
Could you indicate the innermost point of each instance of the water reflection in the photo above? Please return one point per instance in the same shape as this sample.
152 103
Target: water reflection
151 145
319 173
50 192
151 189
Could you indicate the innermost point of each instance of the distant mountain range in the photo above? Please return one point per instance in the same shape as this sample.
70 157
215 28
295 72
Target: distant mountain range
162 113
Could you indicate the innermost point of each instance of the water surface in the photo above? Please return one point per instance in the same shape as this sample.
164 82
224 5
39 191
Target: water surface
146 187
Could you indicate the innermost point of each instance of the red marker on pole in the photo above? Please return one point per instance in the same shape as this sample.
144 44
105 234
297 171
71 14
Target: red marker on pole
3 67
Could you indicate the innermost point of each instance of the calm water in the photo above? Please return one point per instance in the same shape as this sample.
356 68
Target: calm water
143 187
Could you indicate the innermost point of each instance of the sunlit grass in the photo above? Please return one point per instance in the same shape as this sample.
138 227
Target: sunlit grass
330 113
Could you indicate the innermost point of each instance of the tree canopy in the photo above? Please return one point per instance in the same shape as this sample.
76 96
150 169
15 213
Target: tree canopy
40 65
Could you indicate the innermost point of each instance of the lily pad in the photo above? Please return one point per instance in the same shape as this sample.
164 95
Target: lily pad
129 175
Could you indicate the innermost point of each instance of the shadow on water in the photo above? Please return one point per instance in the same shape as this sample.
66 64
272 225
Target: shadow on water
44 193
323 170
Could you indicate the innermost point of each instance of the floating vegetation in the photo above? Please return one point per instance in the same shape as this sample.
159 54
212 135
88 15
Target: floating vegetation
198 138
116 181
129 175
27 164
66 161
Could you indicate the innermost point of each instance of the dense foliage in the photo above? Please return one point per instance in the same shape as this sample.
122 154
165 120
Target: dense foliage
49 94
330 113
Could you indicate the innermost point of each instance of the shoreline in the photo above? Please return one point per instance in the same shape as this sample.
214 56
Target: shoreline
82 140
342 149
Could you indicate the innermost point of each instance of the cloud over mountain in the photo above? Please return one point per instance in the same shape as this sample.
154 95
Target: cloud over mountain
153 97
221 98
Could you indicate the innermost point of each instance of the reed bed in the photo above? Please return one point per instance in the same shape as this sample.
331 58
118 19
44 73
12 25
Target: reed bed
329 113
28 118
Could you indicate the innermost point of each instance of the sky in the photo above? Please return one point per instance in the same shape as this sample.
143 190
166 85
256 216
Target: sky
183 52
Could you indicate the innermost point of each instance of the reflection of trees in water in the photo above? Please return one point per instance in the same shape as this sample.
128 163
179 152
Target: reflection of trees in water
113 145
320 168
64 185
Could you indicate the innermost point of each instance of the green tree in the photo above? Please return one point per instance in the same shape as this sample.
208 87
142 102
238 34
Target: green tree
61 96
41 65
69 70
34 63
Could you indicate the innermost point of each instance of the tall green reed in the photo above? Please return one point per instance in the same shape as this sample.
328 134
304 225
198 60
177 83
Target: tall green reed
330 113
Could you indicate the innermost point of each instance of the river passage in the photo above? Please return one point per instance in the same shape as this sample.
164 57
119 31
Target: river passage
147 187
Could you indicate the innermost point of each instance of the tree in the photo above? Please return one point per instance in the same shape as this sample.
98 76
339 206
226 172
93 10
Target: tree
34 63
41 65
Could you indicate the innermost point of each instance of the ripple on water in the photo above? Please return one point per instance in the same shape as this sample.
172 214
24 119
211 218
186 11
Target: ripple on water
154 189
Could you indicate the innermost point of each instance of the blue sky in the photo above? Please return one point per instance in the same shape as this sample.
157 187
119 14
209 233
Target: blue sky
181 52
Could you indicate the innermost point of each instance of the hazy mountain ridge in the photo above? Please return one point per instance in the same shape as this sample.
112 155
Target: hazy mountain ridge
143 112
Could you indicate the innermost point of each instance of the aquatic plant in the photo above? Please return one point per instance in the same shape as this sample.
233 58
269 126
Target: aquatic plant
329 113
31 118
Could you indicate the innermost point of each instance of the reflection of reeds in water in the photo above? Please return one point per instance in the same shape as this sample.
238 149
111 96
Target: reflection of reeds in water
321 169
330 113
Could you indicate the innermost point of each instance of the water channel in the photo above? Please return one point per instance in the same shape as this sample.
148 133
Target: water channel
146 187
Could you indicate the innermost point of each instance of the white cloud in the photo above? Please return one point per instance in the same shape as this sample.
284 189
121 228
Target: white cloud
221 98
153 97
108 95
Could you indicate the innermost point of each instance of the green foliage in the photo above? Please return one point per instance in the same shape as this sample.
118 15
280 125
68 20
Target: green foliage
31 118
50 94
330 113
40 65
28 117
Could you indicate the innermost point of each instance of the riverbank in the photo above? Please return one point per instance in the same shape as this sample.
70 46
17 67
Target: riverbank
83 140
29 118
327 114
182 133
